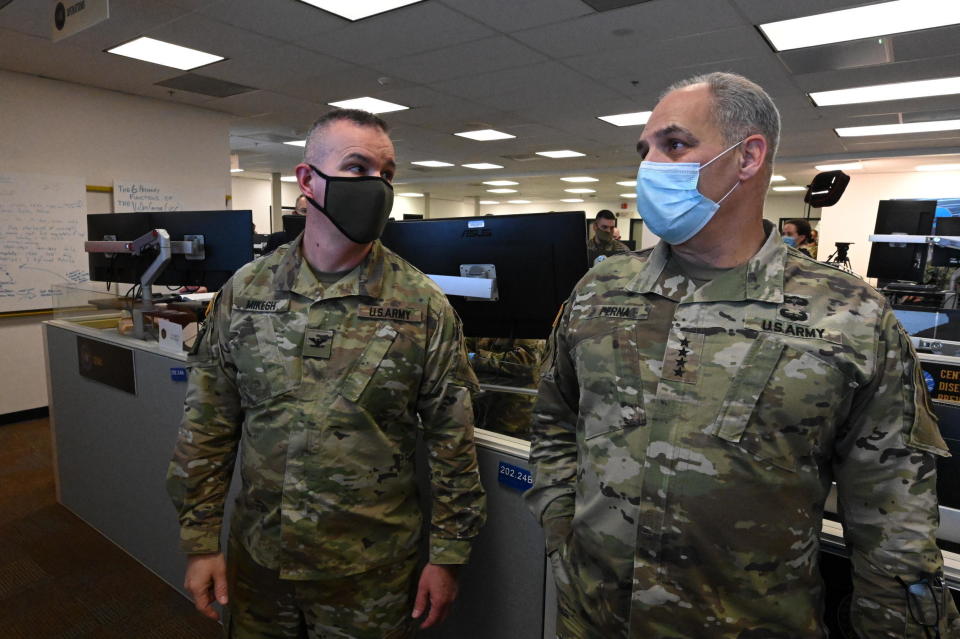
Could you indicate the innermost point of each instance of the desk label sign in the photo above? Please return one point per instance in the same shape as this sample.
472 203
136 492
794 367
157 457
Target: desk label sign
943 381
178 374
106 363
515 477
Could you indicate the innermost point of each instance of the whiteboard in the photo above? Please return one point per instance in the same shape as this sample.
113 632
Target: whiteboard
42 230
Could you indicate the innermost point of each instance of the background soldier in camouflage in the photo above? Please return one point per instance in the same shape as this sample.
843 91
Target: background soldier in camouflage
505 361
314 366
698 400
602 241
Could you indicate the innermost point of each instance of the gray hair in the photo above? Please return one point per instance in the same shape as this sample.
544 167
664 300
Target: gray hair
357 116
740 108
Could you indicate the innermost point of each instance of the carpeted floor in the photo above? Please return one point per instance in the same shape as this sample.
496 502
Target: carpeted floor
61 579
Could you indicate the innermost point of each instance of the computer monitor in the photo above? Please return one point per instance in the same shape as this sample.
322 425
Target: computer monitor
901 263
293 225
227 236
946 256
538 258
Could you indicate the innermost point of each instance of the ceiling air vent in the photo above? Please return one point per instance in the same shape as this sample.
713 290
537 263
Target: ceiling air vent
205 86
607 5
522 157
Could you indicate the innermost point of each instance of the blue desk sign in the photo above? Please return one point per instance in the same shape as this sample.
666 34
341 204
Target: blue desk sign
515 477
178 374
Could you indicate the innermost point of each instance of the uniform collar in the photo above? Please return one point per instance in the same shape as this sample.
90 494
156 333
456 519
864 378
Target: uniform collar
760 278
366 280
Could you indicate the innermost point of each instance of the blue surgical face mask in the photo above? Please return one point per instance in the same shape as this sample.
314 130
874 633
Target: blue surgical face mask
668 199
789 241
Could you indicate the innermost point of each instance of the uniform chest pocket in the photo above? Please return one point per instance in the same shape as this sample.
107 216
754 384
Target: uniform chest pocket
782 404
264 369
378 381
611 389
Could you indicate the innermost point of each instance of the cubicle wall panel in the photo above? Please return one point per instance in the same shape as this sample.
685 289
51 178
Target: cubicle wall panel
112 450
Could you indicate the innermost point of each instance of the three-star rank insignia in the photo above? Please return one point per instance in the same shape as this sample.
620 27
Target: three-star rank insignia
681 361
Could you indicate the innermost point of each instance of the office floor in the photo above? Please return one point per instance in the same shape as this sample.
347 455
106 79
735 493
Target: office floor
61 579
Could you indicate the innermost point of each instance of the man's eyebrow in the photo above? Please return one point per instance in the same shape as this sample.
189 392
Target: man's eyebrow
356 157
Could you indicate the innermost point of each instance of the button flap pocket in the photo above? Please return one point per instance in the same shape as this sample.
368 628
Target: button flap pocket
746 387
366 365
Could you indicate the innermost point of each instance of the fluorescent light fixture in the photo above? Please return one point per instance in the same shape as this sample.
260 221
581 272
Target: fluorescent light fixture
501 190
410 194
297 143
482 166
626 119
885 18
843 166
938 167
164 53
561 154
784 189
289 178
371 105
627 183
628 195
485 135
884 92
777 178
518 201
501 183
236 170
572 199
897 129
489 202
353 10
579 178
579 191
433 164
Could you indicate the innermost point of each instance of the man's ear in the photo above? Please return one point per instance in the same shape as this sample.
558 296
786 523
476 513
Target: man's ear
305 179
753 154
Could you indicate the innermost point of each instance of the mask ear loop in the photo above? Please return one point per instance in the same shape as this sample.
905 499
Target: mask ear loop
722 153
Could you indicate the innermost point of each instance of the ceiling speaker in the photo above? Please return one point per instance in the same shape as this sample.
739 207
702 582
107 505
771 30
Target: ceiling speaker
826 188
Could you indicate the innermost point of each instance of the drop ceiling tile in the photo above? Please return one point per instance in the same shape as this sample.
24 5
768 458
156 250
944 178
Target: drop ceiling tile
468 59
288 20
332 83
277 68
406 31
510 15
763 11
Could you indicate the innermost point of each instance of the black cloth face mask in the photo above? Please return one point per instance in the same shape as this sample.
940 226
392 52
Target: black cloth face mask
358 206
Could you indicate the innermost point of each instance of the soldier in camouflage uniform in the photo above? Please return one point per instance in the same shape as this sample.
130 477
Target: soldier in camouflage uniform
314 366
699 398
603 242
505 361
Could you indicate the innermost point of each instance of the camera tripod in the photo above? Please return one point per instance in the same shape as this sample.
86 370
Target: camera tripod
839 258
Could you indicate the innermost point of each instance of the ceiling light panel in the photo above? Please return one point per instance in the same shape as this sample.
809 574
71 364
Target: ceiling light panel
627 183
501 183
884 92
410 194
164 53
433 164
289 178
777 178
518 201
579 191
501 190
626 119
371 105
579 178
898 129
628 195
485 135
561 154
784 189
489 202
353 10
572 199
482 166
844 166
885 18
297 143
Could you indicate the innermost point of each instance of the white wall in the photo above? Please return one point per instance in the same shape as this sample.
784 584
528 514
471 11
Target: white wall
255 194
852 218
53 127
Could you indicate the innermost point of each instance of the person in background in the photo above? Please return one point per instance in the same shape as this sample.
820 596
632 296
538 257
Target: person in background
316 368
798 234
281 237
602 242
699 398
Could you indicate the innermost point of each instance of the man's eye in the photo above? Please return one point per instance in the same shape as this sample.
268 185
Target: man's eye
676 145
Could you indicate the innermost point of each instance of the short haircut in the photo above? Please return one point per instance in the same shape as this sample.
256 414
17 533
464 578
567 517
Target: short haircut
357 116
740 108
605 215
803 228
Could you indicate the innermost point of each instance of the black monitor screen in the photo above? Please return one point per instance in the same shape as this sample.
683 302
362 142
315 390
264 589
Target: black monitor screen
228 245
538 258
945 256
901 263
932 323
